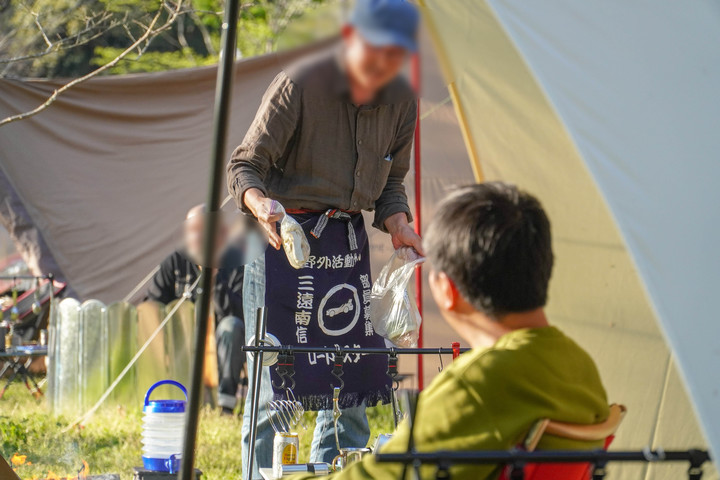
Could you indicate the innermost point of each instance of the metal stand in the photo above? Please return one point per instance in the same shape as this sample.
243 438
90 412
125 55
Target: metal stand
259 348
260 330
361 350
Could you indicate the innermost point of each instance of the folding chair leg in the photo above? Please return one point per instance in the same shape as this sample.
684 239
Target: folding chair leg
516 471
599 471
695 473
443 473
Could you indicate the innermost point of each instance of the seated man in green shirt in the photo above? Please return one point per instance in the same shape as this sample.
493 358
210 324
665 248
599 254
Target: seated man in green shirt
490 250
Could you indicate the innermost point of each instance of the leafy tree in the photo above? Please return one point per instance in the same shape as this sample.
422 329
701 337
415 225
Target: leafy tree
79 39
70 38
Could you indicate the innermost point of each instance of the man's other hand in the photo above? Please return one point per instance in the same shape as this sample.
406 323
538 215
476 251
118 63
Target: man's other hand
402 234
266 211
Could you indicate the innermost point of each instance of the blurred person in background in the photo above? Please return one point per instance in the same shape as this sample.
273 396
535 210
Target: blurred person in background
175 278
490 252
332 137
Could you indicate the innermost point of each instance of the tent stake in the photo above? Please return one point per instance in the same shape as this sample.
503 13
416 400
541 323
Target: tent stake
223 91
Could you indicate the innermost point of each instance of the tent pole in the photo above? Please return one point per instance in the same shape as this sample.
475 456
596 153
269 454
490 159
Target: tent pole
415 73
223 91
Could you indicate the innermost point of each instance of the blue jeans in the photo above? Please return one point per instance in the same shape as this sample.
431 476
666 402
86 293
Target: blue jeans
353 428
230 337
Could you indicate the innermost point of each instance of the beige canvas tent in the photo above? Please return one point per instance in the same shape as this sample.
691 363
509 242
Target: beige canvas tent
509 91
609 112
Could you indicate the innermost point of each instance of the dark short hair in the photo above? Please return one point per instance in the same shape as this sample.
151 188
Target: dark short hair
493 241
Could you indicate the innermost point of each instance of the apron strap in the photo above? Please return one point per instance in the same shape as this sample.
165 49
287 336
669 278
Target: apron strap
339 215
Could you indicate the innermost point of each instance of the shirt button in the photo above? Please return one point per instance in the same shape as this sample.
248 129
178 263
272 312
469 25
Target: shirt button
354 204
359 142
357 174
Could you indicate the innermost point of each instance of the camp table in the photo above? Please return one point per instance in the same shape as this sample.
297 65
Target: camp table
18 359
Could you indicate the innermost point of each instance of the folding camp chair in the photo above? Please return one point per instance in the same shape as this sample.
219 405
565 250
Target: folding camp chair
604 431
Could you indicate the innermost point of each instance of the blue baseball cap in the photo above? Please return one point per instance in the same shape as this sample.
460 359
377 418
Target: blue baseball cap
387 22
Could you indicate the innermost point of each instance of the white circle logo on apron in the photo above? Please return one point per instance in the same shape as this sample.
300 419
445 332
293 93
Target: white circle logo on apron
337 308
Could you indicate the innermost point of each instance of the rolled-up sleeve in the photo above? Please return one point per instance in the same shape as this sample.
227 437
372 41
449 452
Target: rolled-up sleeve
267 139
393 198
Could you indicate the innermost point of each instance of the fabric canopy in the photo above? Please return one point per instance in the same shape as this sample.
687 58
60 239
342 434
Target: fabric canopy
608 111
104 177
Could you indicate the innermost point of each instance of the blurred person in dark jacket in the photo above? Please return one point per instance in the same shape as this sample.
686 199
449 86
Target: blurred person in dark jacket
175 279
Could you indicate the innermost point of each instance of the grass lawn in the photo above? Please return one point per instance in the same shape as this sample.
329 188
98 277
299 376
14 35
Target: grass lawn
110 442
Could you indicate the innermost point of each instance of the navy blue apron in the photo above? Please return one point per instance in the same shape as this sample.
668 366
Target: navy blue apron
326 304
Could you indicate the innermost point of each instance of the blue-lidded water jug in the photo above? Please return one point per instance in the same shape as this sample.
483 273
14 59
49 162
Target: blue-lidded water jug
163 430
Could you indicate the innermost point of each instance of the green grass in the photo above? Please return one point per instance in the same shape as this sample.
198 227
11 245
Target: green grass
110 441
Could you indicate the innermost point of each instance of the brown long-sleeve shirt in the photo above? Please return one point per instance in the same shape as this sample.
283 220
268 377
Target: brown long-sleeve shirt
310 147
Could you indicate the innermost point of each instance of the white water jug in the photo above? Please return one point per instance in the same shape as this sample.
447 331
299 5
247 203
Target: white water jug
163 430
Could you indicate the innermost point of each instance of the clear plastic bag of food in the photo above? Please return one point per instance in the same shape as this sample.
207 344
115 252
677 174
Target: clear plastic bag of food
295 243
393 310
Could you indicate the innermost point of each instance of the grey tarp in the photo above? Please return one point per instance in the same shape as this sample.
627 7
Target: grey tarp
108 172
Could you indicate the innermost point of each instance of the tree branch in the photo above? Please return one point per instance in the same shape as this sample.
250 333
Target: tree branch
147 36
42 31
63 44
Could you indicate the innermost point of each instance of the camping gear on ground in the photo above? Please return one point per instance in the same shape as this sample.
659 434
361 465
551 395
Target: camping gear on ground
163 430
319 469
348 456
285 451
29 303
393 310
293 237
17 360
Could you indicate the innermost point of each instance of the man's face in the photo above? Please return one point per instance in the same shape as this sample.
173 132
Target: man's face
370 66
194 236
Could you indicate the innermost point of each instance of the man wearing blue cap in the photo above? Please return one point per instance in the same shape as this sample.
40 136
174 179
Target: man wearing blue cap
332 137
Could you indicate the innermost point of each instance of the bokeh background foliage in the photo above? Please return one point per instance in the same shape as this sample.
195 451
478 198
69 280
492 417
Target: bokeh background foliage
70 38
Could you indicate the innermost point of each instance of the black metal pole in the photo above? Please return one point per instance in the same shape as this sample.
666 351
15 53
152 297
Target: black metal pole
361 350
488 457
260 331
223 92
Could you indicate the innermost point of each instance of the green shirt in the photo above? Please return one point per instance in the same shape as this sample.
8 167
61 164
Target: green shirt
489 398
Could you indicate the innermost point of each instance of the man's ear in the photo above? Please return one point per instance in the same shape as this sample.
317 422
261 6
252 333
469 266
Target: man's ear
445 291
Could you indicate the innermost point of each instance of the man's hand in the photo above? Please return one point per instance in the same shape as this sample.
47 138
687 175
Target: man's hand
402 234
262 208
